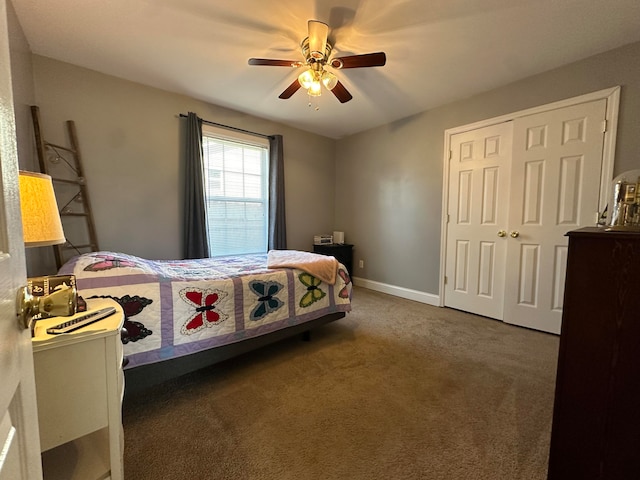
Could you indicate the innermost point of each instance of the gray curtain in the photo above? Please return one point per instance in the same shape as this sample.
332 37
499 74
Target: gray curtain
196 243
277 224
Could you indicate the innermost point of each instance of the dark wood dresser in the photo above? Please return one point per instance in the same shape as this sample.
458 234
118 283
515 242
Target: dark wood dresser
596 417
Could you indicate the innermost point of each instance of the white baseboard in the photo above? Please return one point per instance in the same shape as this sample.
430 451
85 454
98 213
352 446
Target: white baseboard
416 295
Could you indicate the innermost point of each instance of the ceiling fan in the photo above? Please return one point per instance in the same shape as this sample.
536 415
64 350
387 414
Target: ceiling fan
316 50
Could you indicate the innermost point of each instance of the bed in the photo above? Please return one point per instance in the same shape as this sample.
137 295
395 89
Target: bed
182 315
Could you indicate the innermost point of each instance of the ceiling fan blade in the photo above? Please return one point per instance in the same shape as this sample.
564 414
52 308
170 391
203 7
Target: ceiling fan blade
358 61
341 93
274 63
318 32
290 90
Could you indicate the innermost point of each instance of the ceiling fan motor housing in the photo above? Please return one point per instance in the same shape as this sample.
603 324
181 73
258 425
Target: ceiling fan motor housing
313 57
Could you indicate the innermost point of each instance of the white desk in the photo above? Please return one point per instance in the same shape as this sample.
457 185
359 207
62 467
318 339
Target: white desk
80 386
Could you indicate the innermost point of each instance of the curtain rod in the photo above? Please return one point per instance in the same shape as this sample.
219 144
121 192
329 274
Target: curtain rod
231 128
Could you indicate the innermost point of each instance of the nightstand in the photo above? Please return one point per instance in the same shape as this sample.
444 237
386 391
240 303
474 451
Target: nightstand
342 251
79 386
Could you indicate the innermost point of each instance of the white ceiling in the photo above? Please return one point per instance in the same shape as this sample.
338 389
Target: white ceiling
438 51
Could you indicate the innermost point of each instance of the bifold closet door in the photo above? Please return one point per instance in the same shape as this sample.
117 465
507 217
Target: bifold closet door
555 185
515 190
479 174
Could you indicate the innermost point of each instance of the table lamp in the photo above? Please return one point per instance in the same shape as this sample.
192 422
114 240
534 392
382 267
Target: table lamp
41 227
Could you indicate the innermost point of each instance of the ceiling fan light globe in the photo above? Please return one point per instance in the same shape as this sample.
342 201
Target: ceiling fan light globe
315 90
329 80
306 79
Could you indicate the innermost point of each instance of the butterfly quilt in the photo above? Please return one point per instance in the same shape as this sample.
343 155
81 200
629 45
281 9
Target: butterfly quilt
184 306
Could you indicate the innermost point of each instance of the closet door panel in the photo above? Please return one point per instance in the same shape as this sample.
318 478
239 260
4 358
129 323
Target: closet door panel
555 181
477 208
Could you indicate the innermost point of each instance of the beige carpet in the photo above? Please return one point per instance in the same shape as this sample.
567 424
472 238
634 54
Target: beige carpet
396 390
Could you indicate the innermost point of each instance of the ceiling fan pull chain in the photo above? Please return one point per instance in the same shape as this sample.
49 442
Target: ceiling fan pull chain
317 107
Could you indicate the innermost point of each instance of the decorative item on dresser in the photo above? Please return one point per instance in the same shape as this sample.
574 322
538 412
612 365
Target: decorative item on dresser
343 253
596 418
80 386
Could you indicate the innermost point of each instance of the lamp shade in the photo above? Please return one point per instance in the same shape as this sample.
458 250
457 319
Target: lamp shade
41 223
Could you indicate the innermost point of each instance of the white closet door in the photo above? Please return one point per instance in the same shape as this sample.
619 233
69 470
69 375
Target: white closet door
477 208
555 181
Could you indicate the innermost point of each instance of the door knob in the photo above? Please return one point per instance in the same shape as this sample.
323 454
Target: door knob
502 233
62 302
515 234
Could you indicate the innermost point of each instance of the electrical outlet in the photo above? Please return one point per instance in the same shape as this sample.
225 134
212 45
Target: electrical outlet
361 264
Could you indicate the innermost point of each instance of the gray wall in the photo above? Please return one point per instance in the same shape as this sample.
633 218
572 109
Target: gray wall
130 138
23 88
383 187
389 179
38 259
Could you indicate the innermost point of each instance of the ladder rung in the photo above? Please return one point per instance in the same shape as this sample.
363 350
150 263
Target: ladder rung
64 180
73 214
70 150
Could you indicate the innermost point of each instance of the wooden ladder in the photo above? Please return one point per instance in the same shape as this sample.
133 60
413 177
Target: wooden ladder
64 165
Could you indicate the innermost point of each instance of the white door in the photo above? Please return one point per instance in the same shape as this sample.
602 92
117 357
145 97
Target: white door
19 441
555 186
478 214
509 211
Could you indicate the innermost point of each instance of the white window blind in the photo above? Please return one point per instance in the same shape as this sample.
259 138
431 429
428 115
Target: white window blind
236 191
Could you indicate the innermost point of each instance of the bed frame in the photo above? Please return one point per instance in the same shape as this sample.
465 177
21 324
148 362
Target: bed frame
144 376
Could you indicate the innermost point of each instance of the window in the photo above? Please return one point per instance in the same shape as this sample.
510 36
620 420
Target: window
236 191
